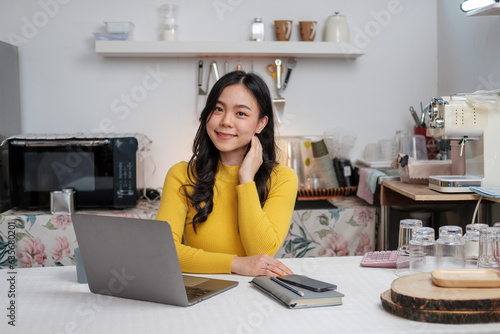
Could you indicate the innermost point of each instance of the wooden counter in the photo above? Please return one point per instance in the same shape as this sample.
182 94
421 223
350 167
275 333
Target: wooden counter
397 193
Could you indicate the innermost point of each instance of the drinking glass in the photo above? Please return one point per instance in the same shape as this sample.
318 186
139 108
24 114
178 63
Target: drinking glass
489 248
450 250
471 239
406 227
422 250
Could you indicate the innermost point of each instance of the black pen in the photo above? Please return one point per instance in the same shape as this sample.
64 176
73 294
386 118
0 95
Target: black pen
274 279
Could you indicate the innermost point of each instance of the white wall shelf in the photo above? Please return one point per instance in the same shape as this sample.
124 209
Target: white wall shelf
226 49
493 9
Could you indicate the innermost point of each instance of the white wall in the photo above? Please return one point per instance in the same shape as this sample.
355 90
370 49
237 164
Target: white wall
469 49
67 87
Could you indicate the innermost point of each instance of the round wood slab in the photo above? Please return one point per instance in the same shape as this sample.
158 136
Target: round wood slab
437 316
419 292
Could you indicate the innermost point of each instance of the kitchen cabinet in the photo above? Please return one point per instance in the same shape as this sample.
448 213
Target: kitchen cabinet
247 49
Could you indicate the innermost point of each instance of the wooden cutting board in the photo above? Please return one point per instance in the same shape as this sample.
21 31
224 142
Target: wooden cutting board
419 292
438 316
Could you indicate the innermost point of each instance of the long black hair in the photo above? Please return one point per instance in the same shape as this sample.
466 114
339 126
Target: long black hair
204 163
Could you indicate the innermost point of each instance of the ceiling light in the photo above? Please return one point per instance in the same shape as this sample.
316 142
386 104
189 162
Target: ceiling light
469 5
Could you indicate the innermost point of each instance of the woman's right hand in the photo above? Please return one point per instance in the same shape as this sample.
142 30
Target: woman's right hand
259 265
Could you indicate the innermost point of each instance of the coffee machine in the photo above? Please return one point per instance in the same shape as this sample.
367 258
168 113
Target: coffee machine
472 124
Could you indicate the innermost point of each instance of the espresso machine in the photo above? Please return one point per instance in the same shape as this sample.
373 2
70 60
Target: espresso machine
472 124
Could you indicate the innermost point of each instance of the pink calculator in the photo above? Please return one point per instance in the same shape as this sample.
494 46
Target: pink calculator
382 259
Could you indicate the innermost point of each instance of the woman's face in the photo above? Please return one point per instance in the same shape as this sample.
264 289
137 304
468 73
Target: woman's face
234 122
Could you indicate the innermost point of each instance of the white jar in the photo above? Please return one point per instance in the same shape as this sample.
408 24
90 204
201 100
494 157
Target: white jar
257 30
336 29
169 28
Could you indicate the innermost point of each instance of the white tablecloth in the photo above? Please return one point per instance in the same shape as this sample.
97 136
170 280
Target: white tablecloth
50 300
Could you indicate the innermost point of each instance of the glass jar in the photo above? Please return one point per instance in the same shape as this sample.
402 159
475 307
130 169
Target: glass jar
169 28
257 30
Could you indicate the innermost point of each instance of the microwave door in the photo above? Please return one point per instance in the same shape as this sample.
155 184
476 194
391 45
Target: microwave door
37 168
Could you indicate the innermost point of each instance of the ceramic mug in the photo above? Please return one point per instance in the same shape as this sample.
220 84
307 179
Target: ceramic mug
307 30
283 30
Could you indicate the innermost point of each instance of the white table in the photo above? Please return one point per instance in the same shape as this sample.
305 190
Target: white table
50 300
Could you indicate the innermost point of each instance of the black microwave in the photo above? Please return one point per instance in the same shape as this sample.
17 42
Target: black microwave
101 170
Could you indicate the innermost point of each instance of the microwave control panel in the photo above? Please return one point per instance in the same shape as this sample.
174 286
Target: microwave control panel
125 180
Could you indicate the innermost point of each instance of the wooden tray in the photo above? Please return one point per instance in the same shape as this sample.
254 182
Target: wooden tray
438 316
419 292
466 278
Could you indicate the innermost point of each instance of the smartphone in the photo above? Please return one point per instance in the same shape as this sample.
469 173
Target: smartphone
307 283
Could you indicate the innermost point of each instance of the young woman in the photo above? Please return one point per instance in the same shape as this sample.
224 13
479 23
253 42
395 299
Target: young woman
231 205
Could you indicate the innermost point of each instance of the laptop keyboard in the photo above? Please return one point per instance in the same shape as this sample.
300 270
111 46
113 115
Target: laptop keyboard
194 293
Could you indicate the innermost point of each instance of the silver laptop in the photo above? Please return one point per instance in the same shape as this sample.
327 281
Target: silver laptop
137 259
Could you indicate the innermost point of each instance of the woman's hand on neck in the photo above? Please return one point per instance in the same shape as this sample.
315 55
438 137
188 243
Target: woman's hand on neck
252 162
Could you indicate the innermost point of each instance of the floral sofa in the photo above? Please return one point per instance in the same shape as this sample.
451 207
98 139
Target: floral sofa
38 239
348 230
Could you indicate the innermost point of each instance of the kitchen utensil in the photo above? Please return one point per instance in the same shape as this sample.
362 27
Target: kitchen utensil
200 78
271 69
422 116
466 278
215 69
416 119
202 94
279 102
290 63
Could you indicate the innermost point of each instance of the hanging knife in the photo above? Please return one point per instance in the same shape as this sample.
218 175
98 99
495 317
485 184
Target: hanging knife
291 62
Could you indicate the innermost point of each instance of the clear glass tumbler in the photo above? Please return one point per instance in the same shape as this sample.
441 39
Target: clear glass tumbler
450 250
422 250
471 239
489 248
406 227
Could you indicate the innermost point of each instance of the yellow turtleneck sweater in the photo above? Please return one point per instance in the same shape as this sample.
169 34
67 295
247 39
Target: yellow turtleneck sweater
237 226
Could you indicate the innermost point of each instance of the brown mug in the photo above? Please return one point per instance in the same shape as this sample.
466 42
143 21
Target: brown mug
307 30
283 29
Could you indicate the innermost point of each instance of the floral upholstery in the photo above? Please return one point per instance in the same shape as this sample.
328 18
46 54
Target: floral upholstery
41 239
348 230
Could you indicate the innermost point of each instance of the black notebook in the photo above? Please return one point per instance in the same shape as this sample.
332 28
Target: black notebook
293 300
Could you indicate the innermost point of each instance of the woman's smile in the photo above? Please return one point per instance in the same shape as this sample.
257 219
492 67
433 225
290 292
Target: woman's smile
225 136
